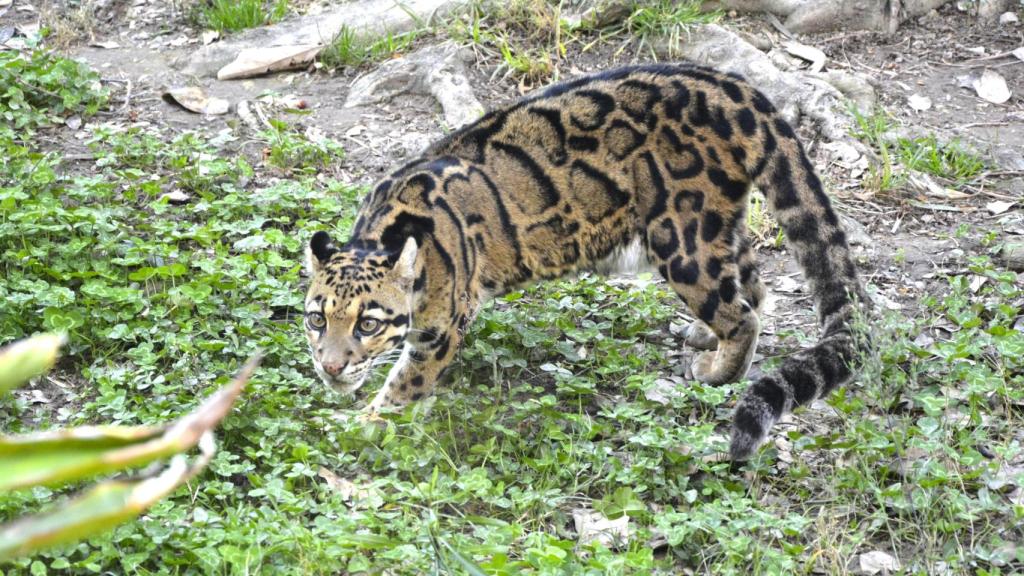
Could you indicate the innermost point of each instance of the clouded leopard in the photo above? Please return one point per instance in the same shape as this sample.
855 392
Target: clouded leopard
555 183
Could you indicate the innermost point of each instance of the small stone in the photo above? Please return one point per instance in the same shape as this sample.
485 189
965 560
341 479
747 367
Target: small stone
991 86
877 562
856 233
1008 18
919 103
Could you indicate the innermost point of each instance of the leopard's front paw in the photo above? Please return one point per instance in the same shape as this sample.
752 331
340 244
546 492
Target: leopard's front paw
703 367
383 402
369 417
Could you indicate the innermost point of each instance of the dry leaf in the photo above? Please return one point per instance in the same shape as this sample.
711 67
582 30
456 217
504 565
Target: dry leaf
991 86
877 562
37 397
258 61
28 29
919 103
1007 478
976 283
788 284
193 99
785 450
592 526
345 488
811 54
924 183
663 390
999 206
176 197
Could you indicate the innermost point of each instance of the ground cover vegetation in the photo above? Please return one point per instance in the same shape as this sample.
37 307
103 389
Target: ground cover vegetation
568 395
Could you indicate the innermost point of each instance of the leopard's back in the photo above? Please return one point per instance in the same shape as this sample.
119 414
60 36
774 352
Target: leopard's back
587 165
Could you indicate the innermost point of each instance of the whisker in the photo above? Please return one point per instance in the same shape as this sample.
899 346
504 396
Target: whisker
385 359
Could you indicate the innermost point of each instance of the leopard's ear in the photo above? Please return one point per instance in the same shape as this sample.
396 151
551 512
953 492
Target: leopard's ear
405 264
319 251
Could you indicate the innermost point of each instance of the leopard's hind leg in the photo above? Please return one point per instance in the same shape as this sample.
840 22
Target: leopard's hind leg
700 253
699 335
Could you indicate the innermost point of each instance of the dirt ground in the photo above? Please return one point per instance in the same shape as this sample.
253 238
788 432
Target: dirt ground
908 240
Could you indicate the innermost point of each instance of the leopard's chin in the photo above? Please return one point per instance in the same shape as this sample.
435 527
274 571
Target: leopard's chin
345 384
347 388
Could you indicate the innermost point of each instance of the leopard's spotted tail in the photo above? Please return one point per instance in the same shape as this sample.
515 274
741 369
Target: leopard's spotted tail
813 231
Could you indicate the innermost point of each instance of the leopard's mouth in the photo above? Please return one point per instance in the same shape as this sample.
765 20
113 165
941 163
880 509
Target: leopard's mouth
345 383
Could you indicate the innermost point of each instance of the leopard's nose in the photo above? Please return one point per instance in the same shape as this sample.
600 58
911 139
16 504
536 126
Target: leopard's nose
333 368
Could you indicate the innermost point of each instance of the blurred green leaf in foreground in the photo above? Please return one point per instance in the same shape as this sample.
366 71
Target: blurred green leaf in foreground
60 456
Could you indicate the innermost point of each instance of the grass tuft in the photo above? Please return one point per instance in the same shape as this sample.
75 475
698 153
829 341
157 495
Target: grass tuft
872 129
235 15
297 152
944 159
662 24
351 49
950 160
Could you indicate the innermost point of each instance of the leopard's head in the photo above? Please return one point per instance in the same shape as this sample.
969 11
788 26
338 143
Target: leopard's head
358 308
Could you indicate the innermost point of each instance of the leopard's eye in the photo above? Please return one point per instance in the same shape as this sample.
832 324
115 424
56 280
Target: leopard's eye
368 326
316 320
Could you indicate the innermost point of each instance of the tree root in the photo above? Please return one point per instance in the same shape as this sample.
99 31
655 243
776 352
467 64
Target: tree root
807 16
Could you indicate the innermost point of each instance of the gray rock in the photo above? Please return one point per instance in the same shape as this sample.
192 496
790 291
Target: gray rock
436 70
1013 256
1008 158
597 13
856 233
795 93
808 16
362 16
991 9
